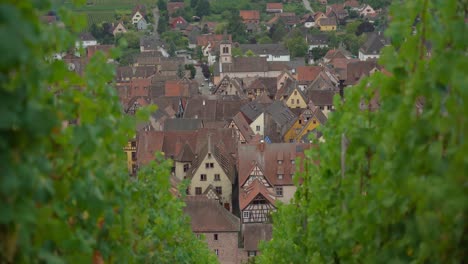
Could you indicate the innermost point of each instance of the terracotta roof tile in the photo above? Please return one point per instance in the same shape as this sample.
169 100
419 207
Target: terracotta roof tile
249 14
307 73
270 6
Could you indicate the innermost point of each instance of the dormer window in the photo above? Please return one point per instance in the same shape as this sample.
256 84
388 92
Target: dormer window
280 162
280 176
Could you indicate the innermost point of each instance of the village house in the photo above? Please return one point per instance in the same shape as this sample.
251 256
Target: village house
306 74
230 86
85 40
327 24
244 132
373 45
338 12
244 67
118 29
273 52
274 7
309 119
219 227
213 166
262 85
266 173
308 20
250 16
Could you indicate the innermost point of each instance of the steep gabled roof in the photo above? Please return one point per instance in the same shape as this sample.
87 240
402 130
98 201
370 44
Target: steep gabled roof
223 159
243 126
186 154
149 142
256 188
207 215
375 42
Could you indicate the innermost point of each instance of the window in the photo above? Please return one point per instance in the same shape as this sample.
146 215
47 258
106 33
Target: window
279 191
297 101
293 161
280 176
217 177
215 236
252 253
292 101
280 162
216 252
186 167
315 121
134 157
257 128
198 191
295 92
245 214
209 155
300 121
219 190
203 177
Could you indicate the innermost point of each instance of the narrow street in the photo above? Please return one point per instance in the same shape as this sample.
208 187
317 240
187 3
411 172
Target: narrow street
307 5
156 21
203 85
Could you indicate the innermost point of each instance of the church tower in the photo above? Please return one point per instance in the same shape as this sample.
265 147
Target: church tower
225 50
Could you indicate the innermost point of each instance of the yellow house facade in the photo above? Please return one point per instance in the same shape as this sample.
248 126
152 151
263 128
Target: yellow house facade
308 120
130 152
296 99
207 172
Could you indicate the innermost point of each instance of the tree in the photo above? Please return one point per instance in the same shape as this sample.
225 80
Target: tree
237 28
364 27
163 22
192 70
250 53
390 184
206 70
162 5
297 46
203 8
65 195
265 40
172 49
180 71
318 53
277 31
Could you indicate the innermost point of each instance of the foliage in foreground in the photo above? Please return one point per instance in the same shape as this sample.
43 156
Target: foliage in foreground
65 196
399 195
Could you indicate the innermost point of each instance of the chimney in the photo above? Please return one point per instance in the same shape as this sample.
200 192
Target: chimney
209 143
261 146
341 86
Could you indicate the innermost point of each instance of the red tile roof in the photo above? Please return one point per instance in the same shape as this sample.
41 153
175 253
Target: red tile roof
307 73
176 88
247 195
149 142
274 6
203 40
91 50
249 15
267 157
